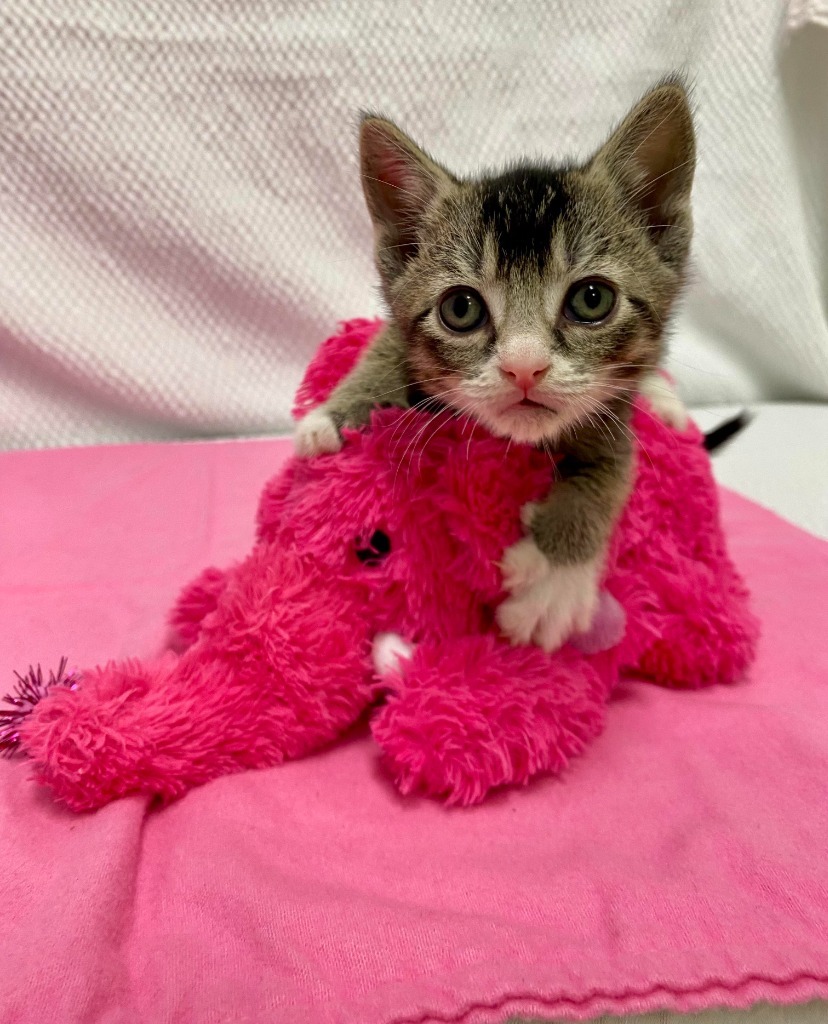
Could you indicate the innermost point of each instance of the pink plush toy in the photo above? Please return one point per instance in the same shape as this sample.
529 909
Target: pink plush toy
372 586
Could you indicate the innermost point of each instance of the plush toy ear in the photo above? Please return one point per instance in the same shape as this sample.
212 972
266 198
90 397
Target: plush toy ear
400 183
652 154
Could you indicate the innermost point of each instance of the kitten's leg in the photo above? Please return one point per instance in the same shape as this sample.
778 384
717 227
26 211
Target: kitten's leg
553 575
663 399
379 378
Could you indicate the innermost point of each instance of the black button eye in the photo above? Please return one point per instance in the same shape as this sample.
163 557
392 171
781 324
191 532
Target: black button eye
375 549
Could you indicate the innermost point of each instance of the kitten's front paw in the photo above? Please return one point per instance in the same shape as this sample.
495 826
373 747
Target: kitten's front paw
547 603
664 400
316 433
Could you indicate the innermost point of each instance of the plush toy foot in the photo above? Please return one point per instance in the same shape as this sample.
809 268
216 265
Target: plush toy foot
281 667
194 604
701 644
473 714
96 742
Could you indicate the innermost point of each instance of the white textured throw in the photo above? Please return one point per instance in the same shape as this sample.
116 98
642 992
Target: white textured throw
180 214
804 12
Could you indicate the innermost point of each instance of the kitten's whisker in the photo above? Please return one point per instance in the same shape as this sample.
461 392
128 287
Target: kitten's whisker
409 418
606 433
430 437
639 408
448 409
621 390
405 453
431 246
430 403
551 454
451 410
678 362
425 246
421 245
634 366
636 442
593 403
469 426
612 385
410 414
413 383
607 411
586 408
596 424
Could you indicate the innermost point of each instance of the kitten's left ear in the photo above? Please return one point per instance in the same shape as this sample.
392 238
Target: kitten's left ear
652 154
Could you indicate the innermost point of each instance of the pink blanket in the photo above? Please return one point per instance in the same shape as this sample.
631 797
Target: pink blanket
681 863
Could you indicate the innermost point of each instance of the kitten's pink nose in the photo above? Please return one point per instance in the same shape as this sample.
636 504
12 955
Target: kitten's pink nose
526 374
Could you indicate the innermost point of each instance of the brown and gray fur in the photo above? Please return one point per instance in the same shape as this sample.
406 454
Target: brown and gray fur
522 238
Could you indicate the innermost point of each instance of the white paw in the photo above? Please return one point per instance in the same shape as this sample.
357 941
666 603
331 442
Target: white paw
315 434
547 603
527 514
388 651
664 400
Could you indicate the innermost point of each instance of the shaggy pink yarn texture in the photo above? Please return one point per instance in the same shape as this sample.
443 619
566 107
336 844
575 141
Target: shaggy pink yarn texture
402 532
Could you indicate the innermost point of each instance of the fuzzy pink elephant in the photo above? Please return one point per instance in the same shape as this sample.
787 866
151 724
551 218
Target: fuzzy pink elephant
371 590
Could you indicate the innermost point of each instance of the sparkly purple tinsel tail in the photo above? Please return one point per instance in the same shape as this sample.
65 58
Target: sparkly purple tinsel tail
28 691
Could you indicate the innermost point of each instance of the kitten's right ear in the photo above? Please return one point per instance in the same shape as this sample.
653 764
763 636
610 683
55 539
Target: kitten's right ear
400 182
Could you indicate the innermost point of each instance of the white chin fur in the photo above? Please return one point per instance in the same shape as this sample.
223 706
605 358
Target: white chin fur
525 426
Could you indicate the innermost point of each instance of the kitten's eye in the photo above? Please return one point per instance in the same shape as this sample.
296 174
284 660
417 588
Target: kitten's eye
588 302
462 310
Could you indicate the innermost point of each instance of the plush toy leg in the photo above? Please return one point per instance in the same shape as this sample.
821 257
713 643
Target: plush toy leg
281 667
468 715
195 602
689 620
705 634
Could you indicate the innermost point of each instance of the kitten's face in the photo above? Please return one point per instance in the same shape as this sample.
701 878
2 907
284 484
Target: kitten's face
533 298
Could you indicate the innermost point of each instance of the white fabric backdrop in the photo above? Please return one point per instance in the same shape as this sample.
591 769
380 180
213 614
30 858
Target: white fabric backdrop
180 213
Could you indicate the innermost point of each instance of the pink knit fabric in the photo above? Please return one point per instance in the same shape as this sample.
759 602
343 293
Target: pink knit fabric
279 658
680 862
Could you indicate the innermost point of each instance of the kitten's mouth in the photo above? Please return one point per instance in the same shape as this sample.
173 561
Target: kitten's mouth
530 403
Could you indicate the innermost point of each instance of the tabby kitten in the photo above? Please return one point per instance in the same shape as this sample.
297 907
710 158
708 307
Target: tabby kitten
535 301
